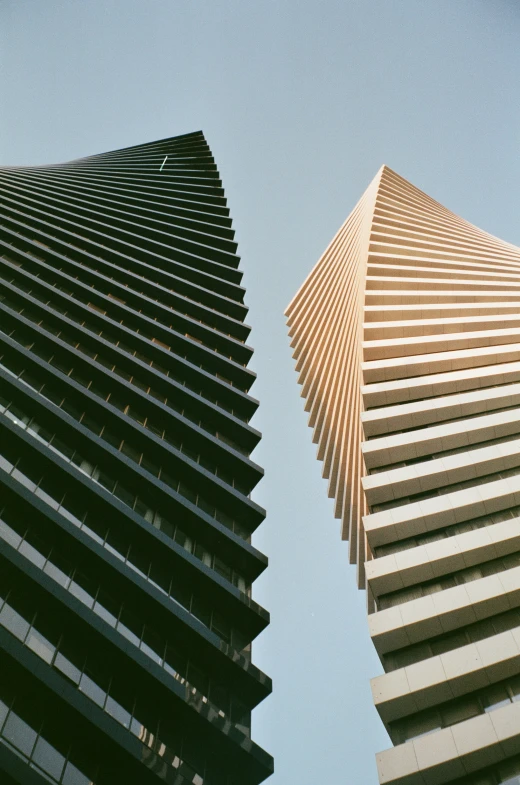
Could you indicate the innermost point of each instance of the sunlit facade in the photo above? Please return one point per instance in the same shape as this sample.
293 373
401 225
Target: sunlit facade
406 336
126 563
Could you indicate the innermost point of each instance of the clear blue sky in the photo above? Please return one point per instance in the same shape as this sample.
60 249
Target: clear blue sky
301 102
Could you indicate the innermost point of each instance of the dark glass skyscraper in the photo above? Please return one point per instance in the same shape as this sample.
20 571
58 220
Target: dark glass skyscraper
126 561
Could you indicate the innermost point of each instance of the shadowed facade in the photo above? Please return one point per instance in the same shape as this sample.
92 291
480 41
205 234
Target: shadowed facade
406 336
126 563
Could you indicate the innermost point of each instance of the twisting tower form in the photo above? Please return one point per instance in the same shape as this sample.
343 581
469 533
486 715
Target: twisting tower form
407 340
126 561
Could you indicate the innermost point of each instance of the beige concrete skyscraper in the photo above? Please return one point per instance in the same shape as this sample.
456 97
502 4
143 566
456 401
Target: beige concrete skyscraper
407 341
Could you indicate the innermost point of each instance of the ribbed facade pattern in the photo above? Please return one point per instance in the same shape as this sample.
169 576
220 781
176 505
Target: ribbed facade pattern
407 341
126 563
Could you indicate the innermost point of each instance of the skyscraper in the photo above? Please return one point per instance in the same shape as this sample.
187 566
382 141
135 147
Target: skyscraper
126 562
406 336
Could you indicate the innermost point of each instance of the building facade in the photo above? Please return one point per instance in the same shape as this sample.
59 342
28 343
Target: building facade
126 563
406 336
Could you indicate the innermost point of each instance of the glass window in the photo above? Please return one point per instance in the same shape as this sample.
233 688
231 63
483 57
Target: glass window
153 645
80 378
150 466
494 697
12 621
48 758
49 493
91 424
73 776
23 479
200 609
71 409
138 561
89 686
175 662
64 367
140 385
67 668
19 734
240 583
17 415
135 415
130 451
82 464
484 629
124 495
514 686
83 588
219 695
506 621
183 540
160 577
60 447
5 465
107 608
32 554
414 727
15 522
114 708
117 402
98 389
154 428
509 773
73 508
221 626
105 481
40 645
4 709
187 492
206 507
58 568
94 522
164 525
38 431
460 711
31 380
122 373
198 678
9 535
130 627
86 350
111 438
171 482
116 543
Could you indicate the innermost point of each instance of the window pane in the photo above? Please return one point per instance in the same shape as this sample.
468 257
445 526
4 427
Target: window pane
58 569
12 620
117 712
460 711
175 662
66 667
73 776
9 535
19 734
494 698
32 554
153 645
40 645
93 690
107 608
130 627
23 480
48 758
3 712
414 727
83 588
